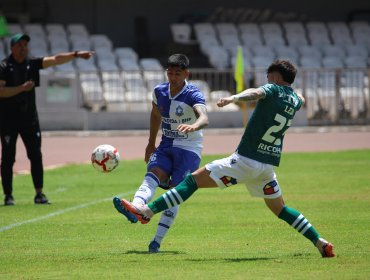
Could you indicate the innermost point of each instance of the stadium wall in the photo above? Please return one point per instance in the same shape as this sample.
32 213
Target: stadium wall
146 23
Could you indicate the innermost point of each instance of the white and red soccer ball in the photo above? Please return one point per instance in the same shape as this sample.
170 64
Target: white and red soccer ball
105 158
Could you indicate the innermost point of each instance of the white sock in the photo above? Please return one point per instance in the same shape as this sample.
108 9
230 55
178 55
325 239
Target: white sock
167 219
146 190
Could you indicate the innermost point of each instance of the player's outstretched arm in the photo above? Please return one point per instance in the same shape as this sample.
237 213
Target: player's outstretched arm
62 58
251 94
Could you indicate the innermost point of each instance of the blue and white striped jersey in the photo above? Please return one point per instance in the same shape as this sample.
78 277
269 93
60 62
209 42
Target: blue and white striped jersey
179 110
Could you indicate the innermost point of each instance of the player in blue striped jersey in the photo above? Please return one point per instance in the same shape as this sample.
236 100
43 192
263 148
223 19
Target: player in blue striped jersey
258 152
179 109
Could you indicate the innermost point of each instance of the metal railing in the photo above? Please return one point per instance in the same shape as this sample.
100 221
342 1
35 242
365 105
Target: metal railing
333 96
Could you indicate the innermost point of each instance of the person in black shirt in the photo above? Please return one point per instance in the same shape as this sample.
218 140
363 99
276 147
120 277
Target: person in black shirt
19 75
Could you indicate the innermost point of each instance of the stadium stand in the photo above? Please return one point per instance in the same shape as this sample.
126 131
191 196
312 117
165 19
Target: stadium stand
333 58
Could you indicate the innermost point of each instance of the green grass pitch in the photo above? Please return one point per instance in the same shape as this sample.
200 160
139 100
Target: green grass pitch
219 234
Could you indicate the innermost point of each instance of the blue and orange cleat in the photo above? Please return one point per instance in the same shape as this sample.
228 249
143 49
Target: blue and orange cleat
138 213
117 202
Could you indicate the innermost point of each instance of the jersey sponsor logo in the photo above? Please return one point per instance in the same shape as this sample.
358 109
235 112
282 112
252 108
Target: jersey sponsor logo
228 181
171 121
271 188
269 148
174 134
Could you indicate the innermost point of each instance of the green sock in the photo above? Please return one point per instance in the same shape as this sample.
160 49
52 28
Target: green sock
300 223
175 196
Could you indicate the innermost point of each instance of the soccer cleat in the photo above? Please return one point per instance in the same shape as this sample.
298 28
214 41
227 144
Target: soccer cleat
117 202
154 247
40 198
137 211
327 251
9 200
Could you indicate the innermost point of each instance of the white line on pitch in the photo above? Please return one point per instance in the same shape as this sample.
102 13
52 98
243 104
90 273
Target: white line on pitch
60 212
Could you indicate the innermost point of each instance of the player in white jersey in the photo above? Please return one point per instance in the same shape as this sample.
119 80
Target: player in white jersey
179 108
253 161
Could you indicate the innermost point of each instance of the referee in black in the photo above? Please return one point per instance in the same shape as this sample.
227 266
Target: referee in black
19 75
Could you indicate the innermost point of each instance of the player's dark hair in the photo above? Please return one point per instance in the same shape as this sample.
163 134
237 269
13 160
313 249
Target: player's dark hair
286 69
178 60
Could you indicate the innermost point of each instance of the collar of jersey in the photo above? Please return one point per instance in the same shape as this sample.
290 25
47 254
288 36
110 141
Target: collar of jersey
181 91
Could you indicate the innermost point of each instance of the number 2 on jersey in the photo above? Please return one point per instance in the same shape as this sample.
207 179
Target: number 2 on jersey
283 123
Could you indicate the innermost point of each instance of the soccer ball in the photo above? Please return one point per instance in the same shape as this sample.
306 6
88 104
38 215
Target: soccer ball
105 158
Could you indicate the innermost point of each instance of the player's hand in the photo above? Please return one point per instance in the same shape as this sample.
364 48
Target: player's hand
186 128
85 54
224 101
27 86
149 150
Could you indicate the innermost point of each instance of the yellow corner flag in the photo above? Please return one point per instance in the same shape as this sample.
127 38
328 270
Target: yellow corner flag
239 70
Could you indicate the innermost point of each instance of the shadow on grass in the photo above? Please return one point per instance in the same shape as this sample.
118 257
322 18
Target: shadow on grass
132 252
233 259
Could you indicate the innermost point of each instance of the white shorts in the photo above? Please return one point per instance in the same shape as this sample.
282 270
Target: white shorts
259 178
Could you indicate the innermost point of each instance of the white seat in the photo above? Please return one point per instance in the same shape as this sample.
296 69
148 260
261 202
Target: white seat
310 62
77 29
249 28
100 41
207 44
271 27
55 29
261 62
106 65
296 39
318 39
355 61
65 68
274 40
333 50
58 42
362 39
128 65
150 64
356 50
294 27
202 86
250 39
218 57
112 77
181 33
103 54
229 41
156 75
226 28
286 52
332 62
113 91
308 51
316 27
92 90
204 29
85 65
34 30
263 51
359 26
126 53
81 44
